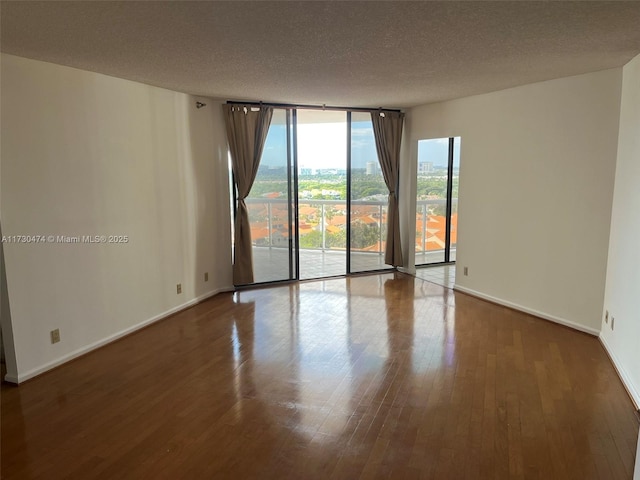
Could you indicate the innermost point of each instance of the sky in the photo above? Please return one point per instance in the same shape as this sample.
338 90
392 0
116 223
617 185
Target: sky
324 145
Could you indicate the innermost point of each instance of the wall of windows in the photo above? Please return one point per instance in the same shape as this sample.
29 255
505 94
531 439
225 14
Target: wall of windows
318 205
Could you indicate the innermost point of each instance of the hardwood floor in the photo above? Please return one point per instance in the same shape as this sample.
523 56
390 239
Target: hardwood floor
381 376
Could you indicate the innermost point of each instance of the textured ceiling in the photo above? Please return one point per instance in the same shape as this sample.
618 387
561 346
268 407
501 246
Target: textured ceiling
391 54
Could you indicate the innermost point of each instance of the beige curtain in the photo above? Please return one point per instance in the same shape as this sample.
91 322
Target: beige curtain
387 129
247 128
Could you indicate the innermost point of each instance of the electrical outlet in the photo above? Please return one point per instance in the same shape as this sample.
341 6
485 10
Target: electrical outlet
612 321
606 316
55 335
466 271
179 288
206 276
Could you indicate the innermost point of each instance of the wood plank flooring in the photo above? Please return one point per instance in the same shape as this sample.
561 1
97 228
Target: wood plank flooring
381 376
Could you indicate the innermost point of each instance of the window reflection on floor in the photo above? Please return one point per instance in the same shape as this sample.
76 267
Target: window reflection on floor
444 275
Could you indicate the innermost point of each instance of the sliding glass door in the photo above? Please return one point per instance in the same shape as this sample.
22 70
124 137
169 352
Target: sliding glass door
369 198
271 206
322 187
437 200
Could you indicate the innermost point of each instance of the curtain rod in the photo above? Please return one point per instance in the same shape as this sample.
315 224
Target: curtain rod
313 107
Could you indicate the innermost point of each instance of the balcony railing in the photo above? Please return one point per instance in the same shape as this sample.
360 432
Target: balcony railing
424 217
269 218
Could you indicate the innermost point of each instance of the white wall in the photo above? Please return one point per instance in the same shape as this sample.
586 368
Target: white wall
88 154
622 294
536 185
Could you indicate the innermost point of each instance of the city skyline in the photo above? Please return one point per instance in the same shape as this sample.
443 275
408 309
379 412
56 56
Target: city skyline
324 146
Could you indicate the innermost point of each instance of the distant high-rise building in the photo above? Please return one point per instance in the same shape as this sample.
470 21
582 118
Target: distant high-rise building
425 168
371 168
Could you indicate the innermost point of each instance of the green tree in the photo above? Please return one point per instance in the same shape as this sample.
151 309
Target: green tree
364 235
312 239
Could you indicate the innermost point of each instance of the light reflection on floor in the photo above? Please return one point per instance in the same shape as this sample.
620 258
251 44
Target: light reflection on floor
444 275
337 345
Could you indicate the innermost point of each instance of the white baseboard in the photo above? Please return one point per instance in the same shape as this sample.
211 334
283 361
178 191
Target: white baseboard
515 306
22 377
622 373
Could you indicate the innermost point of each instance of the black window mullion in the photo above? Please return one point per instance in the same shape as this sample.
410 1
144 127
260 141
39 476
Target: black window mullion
290 209
447 238
348 239
295 191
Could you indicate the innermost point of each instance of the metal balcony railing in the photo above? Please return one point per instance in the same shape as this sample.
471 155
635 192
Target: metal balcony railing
422 213
274 217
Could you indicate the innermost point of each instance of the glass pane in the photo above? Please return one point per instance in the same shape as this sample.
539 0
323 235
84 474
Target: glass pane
431 205
369 197
322 187
268 205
